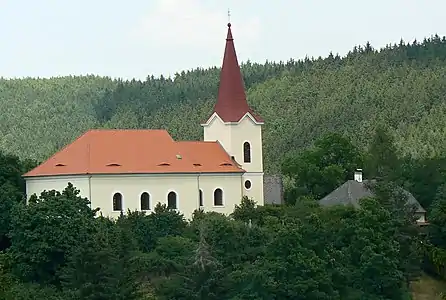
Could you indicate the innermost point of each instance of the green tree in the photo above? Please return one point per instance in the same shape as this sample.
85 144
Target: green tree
44 231
319 170
383 161
96 269
402 225
437 219
12 191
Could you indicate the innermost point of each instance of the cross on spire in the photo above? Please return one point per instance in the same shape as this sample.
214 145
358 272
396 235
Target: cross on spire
229 16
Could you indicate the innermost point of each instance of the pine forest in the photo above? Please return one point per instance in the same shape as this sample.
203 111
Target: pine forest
383 109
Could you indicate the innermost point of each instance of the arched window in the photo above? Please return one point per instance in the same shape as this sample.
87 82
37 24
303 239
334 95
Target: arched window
117 202
200 198
145 201
172 200
247 152
218 197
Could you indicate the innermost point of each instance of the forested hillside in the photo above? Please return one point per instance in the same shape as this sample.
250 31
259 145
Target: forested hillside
402 85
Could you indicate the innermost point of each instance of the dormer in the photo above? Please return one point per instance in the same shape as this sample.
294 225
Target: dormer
113 165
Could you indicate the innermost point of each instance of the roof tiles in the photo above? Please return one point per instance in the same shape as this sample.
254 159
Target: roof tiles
135 152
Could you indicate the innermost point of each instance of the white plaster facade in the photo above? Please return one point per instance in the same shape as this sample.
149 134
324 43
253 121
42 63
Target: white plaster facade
232 136
101 188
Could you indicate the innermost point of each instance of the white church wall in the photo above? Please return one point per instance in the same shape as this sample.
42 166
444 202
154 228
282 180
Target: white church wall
255 191
247 131
216 130
37 185
101 188
232 136
229 184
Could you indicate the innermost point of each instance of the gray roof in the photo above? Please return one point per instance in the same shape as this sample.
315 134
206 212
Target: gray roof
352 191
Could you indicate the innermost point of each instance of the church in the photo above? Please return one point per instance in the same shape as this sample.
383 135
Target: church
118 170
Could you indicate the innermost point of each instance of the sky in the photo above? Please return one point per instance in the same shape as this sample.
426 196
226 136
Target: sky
136 38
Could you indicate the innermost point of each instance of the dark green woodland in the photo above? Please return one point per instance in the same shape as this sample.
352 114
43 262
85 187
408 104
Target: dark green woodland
401 85
382 110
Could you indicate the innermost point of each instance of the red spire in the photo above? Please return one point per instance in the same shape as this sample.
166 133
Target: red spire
231 103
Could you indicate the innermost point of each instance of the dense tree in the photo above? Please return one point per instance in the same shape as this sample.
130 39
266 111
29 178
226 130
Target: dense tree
424 178
435 245
46 230
96 268
437 219
12 189
383 161
402 225
320 169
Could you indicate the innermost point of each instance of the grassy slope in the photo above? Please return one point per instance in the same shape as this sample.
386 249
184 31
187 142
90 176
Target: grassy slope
428 288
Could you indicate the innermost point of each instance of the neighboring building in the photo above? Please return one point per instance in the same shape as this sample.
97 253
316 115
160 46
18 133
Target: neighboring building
135 169
353 190
273 189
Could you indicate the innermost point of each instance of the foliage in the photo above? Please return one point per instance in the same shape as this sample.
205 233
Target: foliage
324 118
437 219
383 162
12 188
400 86
61 250
319 170
45 230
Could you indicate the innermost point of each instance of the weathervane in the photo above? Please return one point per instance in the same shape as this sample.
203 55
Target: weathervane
229 16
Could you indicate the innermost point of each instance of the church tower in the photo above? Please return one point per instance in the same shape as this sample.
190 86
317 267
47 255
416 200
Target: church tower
236 126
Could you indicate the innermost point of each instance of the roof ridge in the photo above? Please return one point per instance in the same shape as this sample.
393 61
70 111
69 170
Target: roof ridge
349 192
123 129
204 142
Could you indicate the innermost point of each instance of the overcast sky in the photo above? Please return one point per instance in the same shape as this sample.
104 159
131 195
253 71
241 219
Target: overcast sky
134 38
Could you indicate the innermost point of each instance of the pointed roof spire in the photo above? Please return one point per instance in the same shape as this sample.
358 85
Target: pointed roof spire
231 103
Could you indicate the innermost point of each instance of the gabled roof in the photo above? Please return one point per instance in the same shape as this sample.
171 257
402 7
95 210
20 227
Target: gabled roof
351 191
135 152
231 103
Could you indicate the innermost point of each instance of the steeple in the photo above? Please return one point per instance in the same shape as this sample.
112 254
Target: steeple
231 103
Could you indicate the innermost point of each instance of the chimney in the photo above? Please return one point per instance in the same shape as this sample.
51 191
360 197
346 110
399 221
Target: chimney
358 175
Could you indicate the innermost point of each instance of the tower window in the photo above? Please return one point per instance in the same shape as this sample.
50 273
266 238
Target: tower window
248 184
247 152
218 197
145 201
172 200
117 202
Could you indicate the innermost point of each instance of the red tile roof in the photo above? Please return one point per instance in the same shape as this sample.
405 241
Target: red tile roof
231 103
135 152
